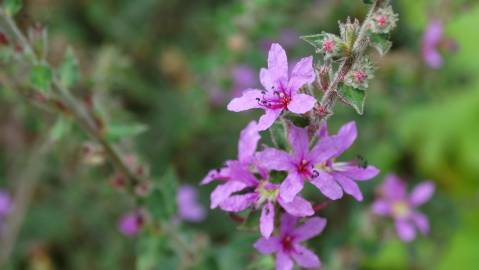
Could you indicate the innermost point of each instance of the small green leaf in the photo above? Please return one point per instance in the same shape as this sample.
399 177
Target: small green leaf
278 135
353 97
380 42
60 129
11 7
367 1
298 120
315 40
162 201
68 71
41 77
118 132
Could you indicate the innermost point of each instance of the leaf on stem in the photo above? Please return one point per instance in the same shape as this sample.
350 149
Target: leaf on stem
68 71
12 7
352 96
41 77
380 42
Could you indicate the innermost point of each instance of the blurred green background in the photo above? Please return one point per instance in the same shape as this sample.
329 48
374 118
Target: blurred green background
172 66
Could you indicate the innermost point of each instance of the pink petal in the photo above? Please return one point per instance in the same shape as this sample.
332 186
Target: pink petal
298 207
349 186
432 58
189 208
215 174
323 150
240 172
346 136
266 80
283 261
246 102
237 203
358 173
305 257
268 246
405 230
266 222
299 140
267 120
274 159
326 184
248 141
381 207
301 103
393 188
291 186
310 228
278 64
303 73
422 193
421 222
287 224
221 192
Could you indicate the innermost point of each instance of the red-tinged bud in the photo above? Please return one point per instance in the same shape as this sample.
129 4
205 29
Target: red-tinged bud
324 77
118 181
59 105
18 48
99 123
237 218
3 39
92 154
143 189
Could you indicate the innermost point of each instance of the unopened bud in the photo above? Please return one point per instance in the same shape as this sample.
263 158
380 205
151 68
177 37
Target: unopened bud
383 20
3 39
324 77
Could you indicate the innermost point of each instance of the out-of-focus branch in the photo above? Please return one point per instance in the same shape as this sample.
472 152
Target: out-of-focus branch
26 176
84 118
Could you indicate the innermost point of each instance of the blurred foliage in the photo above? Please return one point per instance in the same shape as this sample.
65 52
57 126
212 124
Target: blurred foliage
169 64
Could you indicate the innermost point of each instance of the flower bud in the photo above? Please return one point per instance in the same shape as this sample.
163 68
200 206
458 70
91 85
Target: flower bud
349 31
360 74
383 20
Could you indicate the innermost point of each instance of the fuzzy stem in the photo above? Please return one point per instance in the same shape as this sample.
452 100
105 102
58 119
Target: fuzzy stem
331 96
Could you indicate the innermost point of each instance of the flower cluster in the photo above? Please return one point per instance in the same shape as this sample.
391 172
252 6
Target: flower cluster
251 181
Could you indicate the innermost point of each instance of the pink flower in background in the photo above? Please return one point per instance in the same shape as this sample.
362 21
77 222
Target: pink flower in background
243 77
430 44
396 203
262 194
5 204
287 244
282 90
188 207
131 223
247 144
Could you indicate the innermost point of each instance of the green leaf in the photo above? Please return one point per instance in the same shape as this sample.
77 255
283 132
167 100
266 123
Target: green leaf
278 135
315 40
368 1
60 129
11 7
118 132
380 42
68 71
298 120
162 201
353 97
41 77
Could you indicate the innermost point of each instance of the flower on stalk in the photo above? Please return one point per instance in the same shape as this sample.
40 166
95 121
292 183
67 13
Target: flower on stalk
281 90
430 41
317 165
383 20
360 74
188 207
287 244
247 144
396 203
131 223
262 194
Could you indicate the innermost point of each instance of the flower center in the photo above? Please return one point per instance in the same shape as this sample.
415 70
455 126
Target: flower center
279 100
328 45
304 167
267 192
287 243
400 209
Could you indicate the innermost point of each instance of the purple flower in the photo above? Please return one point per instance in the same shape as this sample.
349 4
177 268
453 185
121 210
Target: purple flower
248 141
5 204
131 223
396 203
262 194
287 245
188 207
316 165
243 77
430 41
281 90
